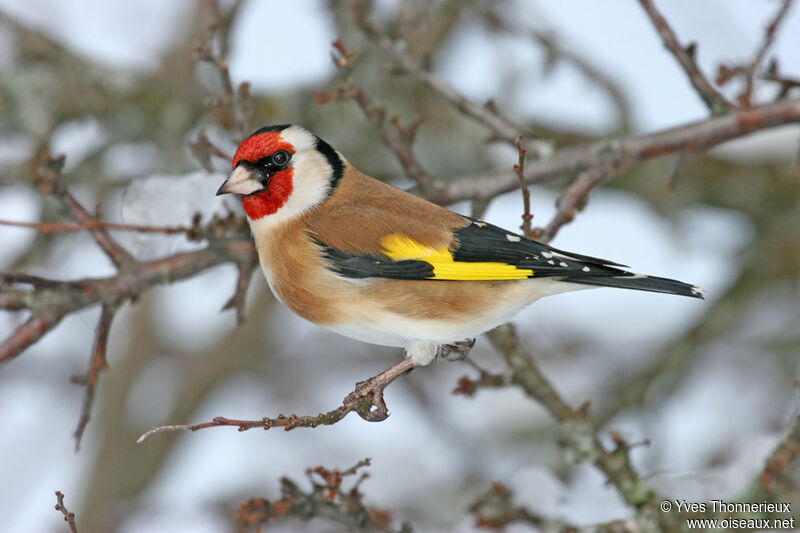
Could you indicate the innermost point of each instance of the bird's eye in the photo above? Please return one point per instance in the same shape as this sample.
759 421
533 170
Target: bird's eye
280 158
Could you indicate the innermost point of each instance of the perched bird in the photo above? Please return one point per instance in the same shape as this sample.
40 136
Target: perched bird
375 263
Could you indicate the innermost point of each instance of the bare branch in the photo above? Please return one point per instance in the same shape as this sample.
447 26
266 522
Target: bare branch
235 99
69 517
326 499
98 363
519 170
47 173
748 71
495 509
366 400
124 286
487 116
571 201
401 143
715 102
623 152
783 455
237 301
582 441
94 224
30 332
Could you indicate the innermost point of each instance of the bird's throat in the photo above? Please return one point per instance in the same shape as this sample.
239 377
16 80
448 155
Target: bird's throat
272 198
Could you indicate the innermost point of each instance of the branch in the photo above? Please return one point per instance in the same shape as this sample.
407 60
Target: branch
748 71
623 152
47 173
69 517
366 400
49 305
402 148
487 116
94 224
582 441
571 201
552 43
778 461
519 170
495 509
685 56
98 363
236 100
326 499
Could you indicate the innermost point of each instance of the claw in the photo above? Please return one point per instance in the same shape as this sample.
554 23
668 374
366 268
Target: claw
456 351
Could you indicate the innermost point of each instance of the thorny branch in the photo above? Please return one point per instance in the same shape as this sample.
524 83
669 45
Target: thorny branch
69 517
685 56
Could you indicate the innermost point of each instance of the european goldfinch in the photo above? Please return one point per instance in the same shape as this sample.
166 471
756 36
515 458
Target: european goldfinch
375 263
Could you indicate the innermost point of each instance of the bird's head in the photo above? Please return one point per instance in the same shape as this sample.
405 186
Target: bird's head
283 169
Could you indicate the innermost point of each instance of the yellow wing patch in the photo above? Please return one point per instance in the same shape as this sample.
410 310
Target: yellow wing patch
400 247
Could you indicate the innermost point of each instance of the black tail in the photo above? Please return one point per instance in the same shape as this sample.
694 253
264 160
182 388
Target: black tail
640 282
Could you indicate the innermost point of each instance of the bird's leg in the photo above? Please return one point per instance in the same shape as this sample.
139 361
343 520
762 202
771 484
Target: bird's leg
372 389
456 351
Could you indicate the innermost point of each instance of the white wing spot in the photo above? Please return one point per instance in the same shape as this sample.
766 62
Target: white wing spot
548 255
586 269
563 264
552 262
480 224
512 238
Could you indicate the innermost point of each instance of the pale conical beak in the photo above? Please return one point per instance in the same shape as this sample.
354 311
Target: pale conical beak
241 181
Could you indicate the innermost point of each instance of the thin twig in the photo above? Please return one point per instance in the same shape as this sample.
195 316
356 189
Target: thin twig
553 44
401 142
93 224
236 99
745 99
97 364
685 56
366 400
571 201
519 170
487 116
69 517
47 174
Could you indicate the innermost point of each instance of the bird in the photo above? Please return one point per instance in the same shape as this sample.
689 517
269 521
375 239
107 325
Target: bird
378 264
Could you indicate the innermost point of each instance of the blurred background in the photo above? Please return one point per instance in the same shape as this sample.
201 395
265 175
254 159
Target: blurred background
115 86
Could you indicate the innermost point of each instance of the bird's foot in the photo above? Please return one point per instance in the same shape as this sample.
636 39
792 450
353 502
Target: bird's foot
456 351
375 410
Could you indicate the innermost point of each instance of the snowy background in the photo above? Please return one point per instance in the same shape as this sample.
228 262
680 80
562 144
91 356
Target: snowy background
709 427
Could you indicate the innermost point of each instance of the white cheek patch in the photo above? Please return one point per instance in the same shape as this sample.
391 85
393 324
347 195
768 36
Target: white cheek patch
310 186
